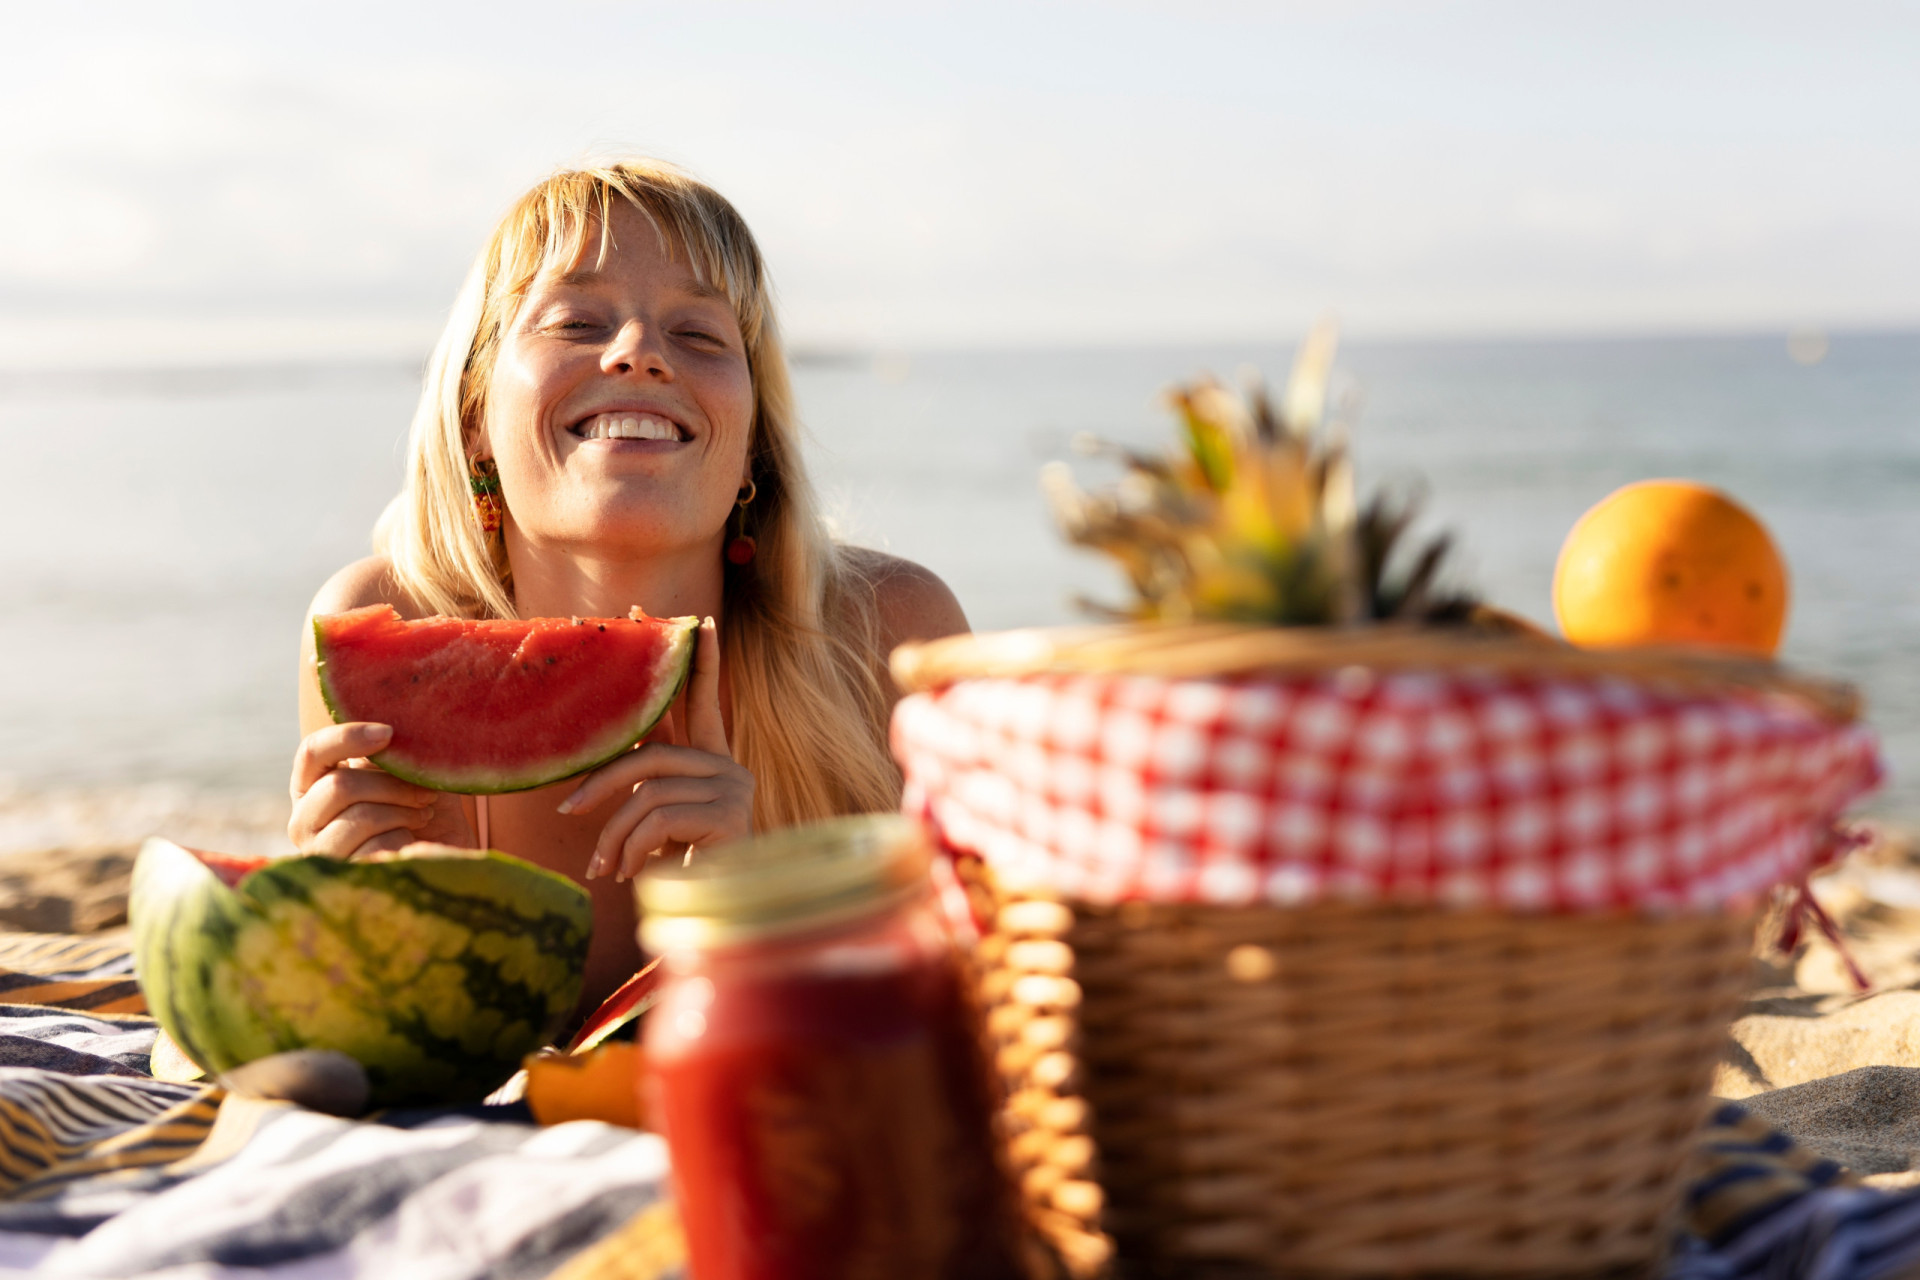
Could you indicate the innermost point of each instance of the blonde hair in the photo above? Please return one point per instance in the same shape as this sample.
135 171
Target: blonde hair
800 635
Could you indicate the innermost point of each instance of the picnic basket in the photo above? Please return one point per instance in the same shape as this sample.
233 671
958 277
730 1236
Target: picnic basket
1322 952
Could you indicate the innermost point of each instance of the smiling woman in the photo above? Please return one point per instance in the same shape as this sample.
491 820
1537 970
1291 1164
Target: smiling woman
613 372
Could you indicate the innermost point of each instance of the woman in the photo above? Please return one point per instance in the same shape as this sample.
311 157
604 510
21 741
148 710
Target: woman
613 360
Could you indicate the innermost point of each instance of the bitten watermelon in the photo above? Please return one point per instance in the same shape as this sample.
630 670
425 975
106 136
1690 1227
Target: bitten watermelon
437 971
492 706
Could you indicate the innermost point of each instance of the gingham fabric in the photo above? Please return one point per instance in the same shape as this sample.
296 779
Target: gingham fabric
1463 788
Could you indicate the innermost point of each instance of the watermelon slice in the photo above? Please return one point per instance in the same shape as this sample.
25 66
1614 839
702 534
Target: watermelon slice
494 706
635 996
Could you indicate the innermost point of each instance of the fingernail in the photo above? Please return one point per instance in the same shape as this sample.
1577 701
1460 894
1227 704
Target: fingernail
593 868
566 806
380 732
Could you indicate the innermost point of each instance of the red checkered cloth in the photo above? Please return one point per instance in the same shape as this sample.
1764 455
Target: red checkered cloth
1463 788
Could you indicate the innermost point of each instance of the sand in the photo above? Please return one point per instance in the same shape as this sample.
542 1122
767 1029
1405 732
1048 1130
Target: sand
1867 1119
1835 1068
65 855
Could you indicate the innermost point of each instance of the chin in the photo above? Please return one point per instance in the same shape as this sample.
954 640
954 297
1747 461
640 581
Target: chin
640 535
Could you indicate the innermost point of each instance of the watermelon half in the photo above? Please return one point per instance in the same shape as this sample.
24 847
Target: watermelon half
438 971
485 707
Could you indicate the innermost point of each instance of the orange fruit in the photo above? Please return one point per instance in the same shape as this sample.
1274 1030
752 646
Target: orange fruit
601 1084
1671 562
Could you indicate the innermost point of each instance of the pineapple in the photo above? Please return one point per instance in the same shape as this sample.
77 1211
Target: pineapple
1254 519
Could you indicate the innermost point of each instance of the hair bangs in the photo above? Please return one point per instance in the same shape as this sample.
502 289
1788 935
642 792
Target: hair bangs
561 221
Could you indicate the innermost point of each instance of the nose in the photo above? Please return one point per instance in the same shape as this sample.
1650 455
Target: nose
635 349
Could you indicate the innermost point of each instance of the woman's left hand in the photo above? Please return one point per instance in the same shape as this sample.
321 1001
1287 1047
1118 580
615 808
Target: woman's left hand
693 794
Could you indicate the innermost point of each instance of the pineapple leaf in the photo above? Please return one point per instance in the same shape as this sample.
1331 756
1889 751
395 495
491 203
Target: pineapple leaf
1256 519
1304 405
1209 447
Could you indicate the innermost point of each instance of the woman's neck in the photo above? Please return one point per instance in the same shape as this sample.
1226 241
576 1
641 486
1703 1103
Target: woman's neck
551 582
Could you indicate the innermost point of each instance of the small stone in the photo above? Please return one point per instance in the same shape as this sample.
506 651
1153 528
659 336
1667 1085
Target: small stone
323 1080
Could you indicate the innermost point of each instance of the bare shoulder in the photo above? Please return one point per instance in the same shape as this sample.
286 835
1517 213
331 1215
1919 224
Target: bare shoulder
365 582
911 600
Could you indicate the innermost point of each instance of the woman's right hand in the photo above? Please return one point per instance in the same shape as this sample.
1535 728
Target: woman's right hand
346 806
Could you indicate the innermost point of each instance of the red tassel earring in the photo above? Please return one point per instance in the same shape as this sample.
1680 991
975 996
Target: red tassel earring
740 547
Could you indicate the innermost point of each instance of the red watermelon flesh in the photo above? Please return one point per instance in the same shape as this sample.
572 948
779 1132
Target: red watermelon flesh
493 706
232 868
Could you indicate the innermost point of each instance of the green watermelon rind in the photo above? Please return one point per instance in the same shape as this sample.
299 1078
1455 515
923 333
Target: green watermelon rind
485 967
615 742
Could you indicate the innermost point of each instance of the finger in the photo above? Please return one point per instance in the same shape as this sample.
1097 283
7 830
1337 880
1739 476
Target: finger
688 823
340 787
324 748
355 825
706 730
387 843
655 760
650 796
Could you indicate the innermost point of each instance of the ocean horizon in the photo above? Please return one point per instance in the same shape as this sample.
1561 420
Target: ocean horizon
175 519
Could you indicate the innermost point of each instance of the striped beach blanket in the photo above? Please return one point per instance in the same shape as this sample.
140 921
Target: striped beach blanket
106 1172
94 974
1761 1207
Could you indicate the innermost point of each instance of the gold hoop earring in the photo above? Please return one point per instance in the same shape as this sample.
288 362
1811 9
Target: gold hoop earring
741 547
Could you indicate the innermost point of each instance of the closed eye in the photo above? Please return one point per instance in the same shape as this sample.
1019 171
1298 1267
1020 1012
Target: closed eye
564 318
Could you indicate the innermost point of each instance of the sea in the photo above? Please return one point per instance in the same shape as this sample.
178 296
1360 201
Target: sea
162 530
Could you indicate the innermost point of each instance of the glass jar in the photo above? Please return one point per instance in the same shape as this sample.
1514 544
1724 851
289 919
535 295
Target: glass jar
815 1064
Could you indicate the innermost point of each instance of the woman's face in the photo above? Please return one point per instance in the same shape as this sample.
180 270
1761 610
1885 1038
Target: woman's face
620 408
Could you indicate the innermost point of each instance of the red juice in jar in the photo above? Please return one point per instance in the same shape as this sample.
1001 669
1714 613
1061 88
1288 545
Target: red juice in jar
814 1064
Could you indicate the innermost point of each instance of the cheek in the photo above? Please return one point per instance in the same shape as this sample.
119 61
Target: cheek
730 403
522 392
514 388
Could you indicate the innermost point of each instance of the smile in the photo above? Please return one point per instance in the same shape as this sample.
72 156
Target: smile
625 425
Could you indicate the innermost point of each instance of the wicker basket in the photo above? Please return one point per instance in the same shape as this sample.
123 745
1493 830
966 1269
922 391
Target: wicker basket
1347 1088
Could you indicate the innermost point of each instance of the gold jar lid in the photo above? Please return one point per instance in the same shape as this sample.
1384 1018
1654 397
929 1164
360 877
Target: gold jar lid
786 881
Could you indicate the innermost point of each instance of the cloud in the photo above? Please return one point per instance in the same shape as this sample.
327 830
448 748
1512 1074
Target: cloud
999 174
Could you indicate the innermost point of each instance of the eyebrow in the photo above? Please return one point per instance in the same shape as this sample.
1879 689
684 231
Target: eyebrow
581 277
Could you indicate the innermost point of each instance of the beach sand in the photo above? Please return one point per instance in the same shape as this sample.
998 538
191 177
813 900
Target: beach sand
66 855
1836 1069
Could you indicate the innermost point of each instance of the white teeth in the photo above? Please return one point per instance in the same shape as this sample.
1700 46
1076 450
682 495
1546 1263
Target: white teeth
628 426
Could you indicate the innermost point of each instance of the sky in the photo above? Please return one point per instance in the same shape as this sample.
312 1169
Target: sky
291 181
